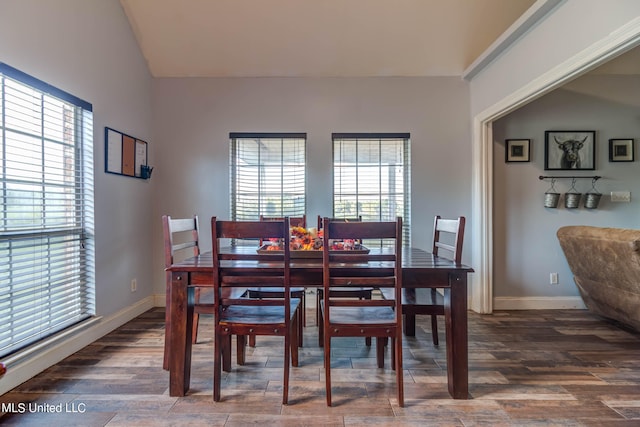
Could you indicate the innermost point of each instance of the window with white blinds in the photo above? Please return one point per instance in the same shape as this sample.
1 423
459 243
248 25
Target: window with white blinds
267 175
46 219
371 178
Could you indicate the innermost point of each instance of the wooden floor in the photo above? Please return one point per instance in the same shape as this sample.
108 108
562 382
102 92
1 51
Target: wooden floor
526 368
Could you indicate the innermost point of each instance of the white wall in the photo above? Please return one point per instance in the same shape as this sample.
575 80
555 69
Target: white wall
193 118
87 48
525 247
573 26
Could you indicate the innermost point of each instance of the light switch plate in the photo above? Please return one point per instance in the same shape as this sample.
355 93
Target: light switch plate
620 196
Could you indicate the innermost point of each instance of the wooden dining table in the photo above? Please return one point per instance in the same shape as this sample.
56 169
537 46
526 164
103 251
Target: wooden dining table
420 269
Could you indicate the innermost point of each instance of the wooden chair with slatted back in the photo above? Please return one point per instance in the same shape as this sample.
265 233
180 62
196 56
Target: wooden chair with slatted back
182 240
360 293
253 316
298 292
448 236
294 221
379 318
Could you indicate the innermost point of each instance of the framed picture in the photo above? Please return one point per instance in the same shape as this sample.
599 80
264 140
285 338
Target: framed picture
570 150
621 150
517 150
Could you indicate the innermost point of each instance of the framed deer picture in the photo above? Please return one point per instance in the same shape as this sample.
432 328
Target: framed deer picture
570 150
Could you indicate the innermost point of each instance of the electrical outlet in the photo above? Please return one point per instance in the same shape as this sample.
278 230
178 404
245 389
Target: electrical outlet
553 278
620 196
134 285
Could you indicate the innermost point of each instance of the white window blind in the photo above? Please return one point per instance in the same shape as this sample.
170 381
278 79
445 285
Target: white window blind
267 175
46 219
371 178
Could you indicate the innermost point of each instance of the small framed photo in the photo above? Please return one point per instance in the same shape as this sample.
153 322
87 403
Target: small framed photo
621 150
517 150
570 150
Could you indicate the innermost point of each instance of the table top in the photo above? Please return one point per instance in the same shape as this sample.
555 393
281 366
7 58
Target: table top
412 259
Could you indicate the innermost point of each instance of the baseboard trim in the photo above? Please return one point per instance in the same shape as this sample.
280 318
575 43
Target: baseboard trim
538 303
21 369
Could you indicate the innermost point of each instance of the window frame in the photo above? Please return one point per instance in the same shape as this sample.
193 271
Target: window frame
406 173
297 209
59 246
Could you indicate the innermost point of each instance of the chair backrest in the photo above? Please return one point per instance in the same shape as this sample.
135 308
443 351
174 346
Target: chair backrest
294 221
354 219
276 275
181 238
448 234
335 276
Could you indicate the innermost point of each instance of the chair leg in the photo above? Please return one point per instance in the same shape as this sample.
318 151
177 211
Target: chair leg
287 353
434 328
397 352
240 349
327 367
320 328
167 330
252 340
304 309
393 353
225 348
294 341
217 364
409 325
196 318
367 340
380 342
300 323
318 298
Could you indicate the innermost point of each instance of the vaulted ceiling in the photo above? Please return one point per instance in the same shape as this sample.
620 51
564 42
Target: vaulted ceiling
336 38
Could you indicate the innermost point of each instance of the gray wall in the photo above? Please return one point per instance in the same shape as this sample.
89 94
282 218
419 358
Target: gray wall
526 249
87 48
193 118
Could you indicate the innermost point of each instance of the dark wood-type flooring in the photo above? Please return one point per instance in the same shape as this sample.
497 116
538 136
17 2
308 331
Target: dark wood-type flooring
526 368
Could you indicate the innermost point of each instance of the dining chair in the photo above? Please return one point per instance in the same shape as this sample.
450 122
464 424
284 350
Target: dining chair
182 240
298 292
253 316
448 237
359 292
379 318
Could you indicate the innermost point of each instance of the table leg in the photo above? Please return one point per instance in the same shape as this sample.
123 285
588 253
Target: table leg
181 315
455 311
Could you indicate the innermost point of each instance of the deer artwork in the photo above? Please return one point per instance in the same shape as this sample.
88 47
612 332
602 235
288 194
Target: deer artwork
570 152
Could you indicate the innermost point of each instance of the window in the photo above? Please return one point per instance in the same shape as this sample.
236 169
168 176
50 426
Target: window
371 178
267 175
46 220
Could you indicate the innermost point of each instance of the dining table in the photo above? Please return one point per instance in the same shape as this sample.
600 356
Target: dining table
420 269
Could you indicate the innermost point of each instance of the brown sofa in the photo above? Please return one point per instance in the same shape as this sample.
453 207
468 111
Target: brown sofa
605 263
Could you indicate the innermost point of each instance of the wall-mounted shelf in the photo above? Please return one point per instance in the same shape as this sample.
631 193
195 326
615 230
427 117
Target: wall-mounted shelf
593 177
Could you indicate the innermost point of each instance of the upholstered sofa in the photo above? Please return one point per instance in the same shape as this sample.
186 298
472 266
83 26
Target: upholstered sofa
605 263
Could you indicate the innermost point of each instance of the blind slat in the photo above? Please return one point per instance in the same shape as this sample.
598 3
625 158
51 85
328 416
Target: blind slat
46 218
371 178
268 175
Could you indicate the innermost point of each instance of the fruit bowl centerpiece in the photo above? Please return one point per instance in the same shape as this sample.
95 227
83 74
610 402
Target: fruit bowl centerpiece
307 243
